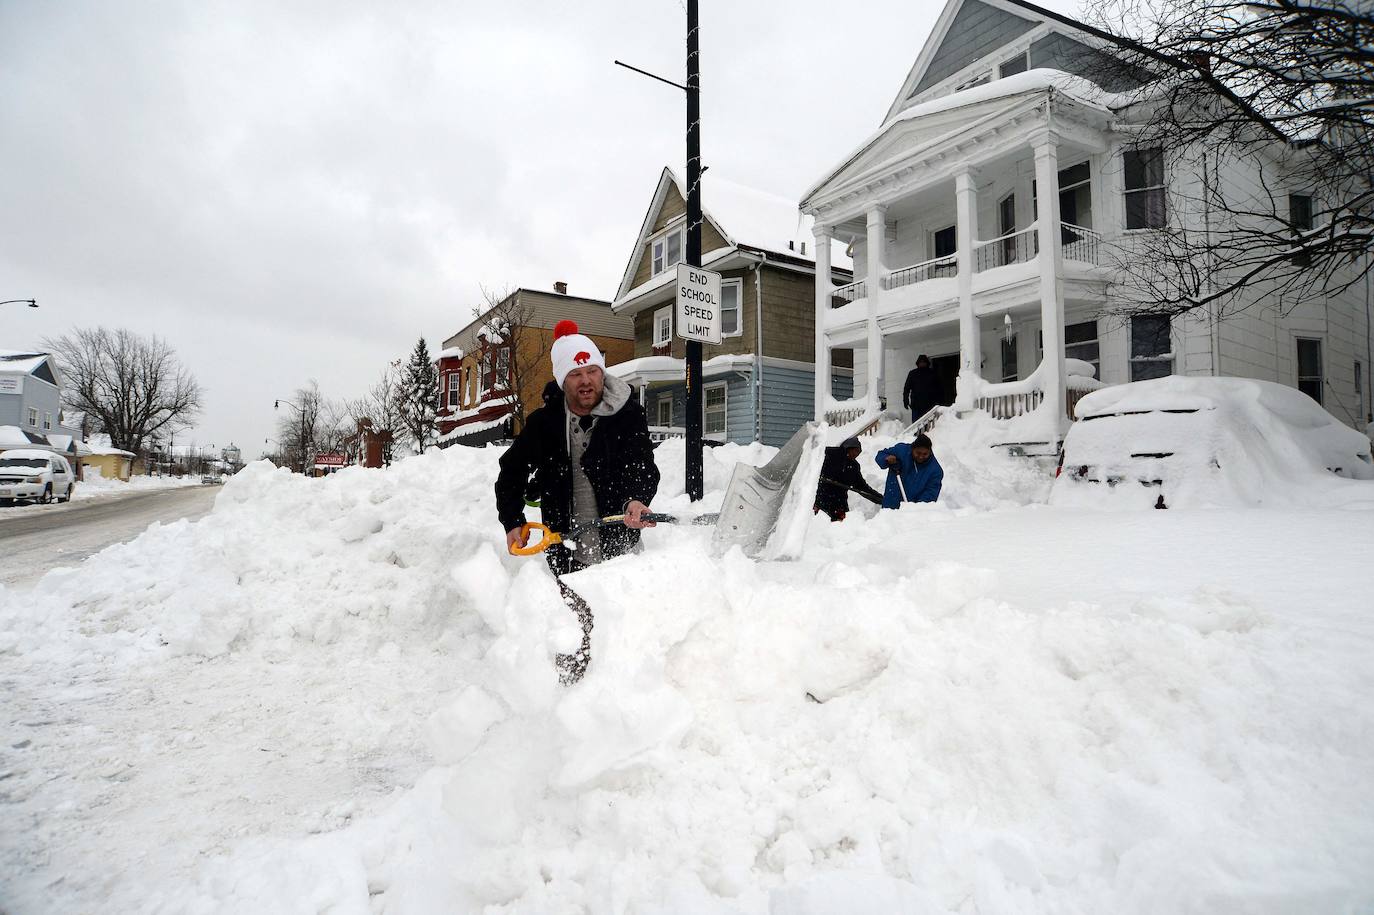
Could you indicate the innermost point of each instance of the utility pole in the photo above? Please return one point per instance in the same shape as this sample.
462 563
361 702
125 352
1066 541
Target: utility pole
695 476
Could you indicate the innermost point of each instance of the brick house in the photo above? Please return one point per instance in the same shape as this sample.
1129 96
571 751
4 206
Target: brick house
492 372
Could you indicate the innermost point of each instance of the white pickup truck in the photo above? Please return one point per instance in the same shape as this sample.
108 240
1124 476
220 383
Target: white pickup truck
35 476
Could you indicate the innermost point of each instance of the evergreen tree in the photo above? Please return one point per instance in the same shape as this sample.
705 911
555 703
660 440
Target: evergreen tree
420 397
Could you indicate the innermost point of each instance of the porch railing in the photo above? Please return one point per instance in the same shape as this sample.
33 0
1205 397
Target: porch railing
1005 406
843 416
919 273
846 294
1080 243
1014 248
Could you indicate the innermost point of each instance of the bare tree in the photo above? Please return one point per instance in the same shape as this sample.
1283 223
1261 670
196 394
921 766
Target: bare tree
300 430
1279 91
510 324
133 388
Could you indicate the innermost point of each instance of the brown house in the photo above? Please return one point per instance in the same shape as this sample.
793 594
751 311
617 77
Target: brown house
759 383
492 372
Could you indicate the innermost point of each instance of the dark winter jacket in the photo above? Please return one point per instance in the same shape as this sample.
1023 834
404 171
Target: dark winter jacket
619 463
838 468
922 390
922 481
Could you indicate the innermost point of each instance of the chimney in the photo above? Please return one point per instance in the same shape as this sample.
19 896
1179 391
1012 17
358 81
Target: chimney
791 245
803 249
560 287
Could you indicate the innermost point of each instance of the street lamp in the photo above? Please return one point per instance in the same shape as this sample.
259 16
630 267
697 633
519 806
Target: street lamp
32 303
303 437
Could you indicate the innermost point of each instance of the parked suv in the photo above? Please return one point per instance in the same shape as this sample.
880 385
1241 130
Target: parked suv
35 476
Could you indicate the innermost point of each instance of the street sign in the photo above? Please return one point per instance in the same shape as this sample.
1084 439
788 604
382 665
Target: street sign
698 304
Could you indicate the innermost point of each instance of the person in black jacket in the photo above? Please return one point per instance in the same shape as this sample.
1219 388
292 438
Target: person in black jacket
922 390
840 475
589 449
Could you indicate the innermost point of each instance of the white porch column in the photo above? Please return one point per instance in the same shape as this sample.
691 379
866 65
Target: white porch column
1051 286
877 269
970 338
823 290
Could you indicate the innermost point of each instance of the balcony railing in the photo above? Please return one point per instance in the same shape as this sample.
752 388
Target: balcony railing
1015 248
919 273
1080 243
846 294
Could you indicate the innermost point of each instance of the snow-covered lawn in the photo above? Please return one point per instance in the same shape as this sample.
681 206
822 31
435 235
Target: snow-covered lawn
100 488
338 695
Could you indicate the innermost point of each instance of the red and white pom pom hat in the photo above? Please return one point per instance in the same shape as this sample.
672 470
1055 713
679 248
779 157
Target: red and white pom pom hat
572 350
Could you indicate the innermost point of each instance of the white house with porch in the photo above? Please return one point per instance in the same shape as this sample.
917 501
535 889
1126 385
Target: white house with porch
958 255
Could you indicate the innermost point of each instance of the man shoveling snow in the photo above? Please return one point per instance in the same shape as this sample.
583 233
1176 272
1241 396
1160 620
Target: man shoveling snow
590 451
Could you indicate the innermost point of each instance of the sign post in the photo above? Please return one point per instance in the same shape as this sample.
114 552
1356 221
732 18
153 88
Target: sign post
698 304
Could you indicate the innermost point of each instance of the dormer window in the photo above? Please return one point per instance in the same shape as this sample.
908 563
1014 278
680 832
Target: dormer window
667 250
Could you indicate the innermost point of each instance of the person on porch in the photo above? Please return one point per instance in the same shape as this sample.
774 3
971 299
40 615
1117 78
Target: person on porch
922 389
840 475
914 475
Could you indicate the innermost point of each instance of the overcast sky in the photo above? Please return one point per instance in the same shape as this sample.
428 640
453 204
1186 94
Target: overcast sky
297 190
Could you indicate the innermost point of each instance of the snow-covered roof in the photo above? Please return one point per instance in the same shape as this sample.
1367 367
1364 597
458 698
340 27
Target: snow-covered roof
665 368
65 443
21 361
452 352
15 437
1041 79
744 216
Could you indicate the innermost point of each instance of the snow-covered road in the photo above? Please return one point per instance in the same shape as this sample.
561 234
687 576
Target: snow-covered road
58 535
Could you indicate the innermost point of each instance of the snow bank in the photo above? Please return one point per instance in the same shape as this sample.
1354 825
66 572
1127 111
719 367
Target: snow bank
872 728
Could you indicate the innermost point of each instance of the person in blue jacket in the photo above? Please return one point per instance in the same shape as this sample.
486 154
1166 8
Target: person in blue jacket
913 471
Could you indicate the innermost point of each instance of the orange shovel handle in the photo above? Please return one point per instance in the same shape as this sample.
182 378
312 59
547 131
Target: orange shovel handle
547 538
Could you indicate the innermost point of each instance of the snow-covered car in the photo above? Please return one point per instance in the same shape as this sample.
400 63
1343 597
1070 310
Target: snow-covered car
1197 442
209 479
35 476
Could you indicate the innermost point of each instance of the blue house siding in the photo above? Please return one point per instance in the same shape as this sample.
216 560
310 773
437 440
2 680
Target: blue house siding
789 401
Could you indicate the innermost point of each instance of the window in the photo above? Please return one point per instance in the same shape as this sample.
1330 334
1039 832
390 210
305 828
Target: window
1006 225
1080 342
1018 64
946 242
1359 389
484 373
1300 212
664 415
667 250
1310 368
453 388
730 293
713 409
663 327
1144 188
1075 199
502 379
1152 353
1009 370
978 80
47 421
1300 218
33 417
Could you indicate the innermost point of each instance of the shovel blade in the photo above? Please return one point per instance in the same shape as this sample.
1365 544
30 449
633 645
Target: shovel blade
765 503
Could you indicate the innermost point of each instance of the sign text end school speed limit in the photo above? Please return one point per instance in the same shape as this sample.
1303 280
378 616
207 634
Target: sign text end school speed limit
698 304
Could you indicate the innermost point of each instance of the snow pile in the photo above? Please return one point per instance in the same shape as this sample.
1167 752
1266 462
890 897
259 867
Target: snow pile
95 487
977 474
887 724
1210 442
